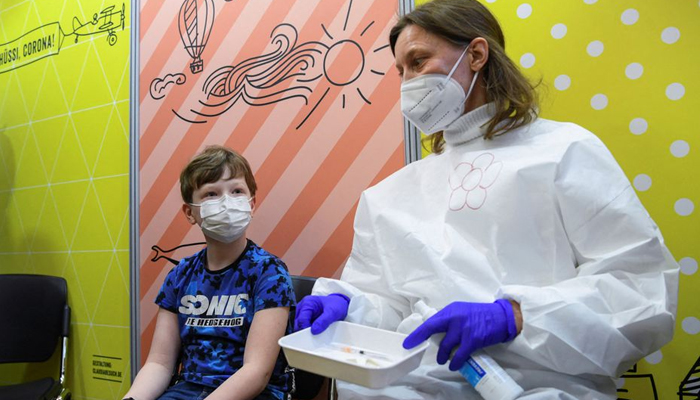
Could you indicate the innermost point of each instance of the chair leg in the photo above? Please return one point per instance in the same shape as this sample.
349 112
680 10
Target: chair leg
331 389
64 395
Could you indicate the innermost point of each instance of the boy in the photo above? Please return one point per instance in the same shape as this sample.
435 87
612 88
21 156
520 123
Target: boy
223 309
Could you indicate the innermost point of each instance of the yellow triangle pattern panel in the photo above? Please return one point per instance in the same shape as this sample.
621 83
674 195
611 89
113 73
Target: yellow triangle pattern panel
109 309
91 269
109 193
68 199
47 107
71 164
49 263
47 134
14 112
92 229
14 263
30 171
91 145
64 180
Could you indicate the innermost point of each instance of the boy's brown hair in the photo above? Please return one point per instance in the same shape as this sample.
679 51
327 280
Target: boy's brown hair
209 166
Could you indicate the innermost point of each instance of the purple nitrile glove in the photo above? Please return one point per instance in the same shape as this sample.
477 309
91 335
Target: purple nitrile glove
319 312
467 326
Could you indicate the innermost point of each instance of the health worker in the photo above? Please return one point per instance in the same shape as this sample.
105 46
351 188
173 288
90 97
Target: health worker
520 236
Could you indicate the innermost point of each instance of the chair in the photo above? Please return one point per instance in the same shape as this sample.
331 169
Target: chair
308 385
37 316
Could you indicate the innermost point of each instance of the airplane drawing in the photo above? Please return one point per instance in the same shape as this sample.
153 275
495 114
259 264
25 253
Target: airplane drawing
108 20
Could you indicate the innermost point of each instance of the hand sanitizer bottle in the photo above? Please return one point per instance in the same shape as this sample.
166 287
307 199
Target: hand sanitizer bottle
489 379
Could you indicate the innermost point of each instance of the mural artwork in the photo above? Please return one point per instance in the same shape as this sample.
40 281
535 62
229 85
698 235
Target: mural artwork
302 88
46 40
283 74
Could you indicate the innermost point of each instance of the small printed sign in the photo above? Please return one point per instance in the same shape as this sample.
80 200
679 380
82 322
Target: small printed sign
107 368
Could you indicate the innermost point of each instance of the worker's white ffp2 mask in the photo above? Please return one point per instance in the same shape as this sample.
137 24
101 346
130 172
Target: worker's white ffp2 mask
225 219
433 101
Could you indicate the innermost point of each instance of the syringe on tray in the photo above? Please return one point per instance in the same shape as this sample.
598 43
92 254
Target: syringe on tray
362 357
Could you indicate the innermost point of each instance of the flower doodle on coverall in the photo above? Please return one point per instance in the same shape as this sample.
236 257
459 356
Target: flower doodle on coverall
469 182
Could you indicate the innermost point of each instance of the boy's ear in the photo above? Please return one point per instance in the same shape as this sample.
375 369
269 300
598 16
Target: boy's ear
187 210
252 205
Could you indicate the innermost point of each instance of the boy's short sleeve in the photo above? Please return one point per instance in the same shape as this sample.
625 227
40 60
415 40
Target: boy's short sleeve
167 297
274 287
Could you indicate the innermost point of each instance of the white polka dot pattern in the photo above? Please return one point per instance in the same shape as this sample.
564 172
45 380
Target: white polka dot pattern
688 266
627 71
634 71
642 182
595 48
670 35
638 126
527 60
654 358
675 91
562 82
524 10
680 148
691 325
630 16
684 207
599 101
558 31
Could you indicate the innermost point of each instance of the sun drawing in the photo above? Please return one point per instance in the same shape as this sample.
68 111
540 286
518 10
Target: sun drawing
292 70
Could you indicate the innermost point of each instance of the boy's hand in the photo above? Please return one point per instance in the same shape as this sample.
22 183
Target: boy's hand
319 312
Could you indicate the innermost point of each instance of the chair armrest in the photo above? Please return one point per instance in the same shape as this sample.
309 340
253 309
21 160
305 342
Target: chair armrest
65 326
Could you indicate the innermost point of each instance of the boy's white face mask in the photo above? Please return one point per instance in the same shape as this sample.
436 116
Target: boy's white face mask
433 101
225 219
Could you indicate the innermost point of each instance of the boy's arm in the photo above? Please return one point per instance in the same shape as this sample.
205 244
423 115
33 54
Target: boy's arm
259 359
154 377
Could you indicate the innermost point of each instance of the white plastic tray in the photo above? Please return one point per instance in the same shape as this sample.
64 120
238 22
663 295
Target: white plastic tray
353 353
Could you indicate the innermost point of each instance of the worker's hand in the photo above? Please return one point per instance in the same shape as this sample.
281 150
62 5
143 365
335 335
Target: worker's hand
319 312
467 326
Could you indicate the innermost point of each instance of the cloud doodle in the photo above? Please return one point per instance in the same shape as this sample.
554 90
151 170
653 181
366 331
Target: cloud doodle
159 86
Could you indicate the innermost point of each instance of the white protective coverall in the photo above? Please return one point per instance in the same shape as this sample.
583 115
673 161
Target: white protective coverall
542 215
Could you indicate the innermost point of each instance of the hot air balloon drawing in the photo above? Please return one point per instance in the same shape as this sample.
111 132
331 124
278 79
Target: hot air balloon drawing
195 22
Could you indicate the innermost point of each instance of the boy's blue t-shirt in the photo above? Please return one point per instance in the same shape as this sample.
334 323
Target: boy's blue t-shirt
215 310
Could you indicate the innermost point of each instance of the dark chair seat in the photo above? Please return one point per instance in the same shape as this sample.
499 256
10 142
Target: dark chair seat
46 388
308 385
39 328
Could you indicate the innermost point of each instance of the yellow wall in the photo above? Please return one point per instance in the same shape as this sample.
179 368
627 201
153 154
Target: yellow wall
662 160
64 185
